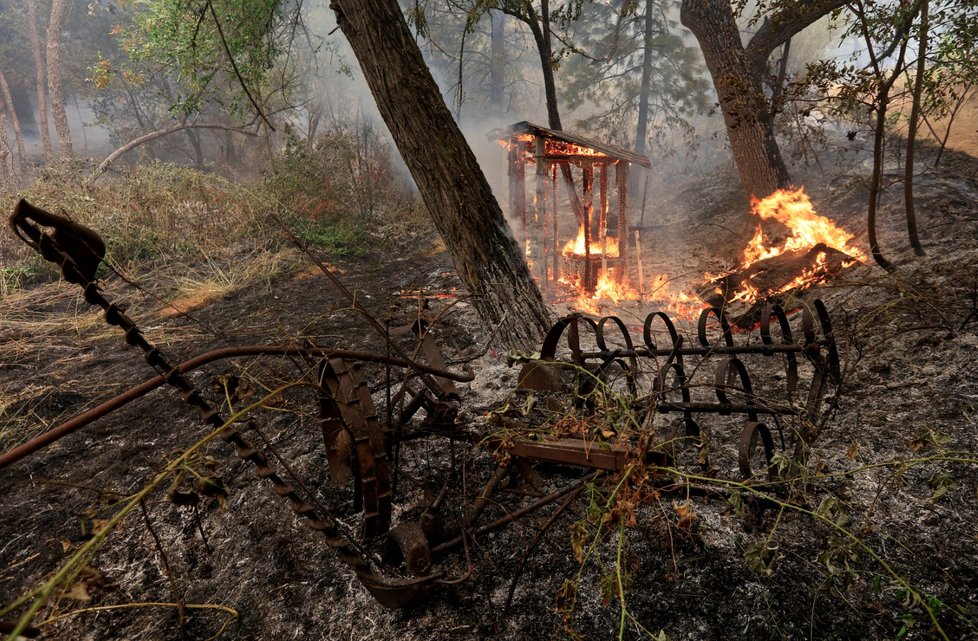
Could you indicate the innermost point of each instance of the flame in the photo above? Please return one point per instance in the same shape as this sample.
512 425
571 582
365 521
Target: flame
563 148
678 303
576 246
794 210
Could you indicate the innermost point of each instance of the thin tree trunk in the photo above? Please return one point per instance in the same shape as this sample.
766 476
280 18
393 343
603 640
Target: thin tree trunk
6 158
642 129
882 104
451 183
497 69
55 82
645 92
540 28
41 78
918 87
15 121
159 133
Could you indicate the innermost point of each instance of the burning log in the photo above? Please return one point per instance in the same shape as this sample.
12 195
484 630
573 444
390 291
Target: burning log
771 279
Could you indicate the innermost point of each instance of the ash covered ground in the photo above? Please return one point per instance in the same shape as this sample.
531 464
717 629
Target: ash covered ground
895 464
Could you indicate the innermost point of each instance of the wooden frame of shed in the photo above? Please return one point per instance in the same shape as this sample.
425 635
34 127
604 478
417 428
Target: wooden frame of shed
537 227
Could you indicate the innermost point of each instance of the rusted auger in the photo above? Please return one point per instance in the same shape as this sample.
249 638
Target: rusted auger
345 404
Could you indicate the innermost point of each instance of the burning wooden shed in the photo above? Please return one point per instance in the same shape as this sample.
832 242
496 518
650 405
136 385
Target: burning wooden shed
593 252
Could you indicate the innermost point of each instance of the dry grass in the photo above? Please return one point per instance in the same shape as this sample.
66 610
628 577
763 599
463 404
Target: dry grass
213 280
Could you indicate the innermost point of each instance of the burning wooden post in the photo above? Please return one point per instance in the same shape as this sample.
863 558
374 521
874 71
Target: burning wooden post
598 254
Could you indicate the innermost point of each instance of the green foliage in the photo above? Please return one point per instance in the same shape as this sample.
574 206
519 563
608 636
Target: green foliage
850 86
603 73
200 44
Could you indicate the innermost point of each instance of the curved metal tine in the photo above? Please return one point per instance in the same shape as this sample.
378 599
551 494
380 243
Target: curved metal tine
791 361
724 380
828 337
632 369
724 326
677 340
548 351
748 443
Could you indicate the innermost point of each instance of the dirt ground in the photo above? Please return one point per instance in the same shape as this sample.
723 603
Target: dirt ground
879 521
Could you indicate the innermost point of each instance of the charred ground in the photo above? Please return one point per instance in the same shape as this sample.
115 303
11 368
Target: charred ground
895 465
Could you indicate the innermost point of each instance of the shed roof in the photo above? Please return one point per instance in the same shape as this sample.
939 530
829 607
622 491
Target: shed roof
525 127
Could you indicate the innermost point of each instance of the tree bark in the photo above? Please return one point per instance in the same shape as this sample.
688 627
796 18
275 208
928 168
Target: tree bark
6 158
55 82
642 129
41 77
448 176
15 121
741 95
738 73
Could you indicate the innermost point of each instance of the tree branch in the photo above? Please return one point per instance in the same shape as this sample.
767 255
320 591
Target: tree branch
785 24
159 133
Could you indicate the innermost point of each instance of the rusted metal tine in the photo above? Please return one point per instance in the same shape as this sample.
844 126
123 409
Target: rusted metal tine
74 424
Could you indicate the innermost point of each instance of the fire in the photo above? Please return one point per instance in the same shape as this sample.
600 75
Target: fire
552 147
608 247
678 303
794 210
806 230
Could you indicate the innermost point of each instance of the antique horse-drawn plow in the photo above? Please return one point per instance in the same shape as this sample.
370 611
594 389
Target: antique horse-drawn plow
596 401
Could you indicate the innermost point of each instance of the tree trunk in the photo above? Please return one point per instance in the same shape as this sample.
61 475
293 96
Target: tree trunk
15 121
6 158
741 95
448 176
918 88
497 68
55 83
638 187
737 76
642 129
42 83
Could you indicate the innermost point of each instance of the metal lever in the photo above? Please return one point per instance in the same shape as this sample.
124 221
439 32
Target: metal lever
67 241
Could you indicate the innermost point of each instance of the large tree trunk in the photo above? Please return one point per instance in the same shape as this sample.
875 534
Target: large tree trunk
42 83
448 176
741 95
55 83
737 76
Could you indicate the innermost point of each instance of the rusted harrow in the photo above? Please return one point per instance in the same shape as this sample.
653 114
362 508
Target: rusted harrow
674 386
581 360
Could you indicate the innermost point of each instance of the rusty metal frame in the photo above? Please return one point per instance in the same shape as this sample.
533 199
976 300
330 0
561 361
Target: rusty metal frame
357 443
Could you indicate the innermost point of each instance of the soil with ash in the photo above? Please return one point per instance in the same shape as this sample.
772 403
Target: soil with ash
894 465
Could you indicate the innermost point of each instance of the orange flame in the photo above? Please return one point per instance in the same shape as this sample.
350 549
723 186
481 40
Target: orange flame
576 246
794 210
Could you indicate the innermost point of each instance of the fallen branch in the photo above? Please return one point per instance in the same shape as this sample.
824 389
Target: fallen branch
159 133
